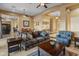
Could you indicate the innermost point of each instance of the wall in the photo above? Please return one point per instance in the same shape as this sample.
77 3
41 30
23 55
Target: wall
63 25
42 22
20 22
17 22
75 25
0 28
73 20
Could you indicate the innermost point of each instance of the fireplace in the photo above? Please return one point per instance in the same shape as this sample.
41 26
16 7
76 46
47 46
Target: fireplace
6 28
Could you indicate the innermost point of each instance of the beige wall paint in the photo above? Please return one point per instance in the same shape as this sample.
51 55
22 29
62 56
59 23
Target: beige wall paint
54 24
75 25
63 19
0 29
20 22
39 22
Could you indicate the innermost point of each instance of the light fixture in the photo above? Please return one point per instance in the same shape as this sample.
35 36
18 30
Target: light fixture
57 17
42 3
68 10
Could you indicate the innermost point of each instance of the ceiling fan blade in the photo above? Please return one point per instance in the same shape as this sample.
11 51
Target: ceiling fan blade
45 5
38 6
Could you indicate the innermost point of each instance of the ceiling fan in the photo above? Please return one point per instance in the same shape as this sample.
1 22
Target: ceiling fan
42 4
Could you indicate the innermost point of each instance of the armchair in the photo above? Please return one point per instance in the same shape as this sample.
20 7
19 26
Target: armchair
64 37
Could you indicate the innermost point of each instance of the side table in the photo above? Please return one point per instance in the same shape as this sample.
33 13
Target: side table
76 39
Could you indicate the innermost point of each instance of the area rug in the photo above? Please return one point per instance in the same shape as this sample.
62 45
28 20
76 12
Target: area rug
41 51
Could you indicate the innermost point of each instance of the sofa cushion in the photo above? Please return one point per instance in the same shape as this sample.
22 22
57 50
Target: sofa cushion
35 34
29 36
23 36
43 34
40 38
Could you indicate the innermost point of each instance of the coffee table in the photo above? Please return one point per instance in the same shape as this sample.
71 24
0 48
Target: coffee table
54 51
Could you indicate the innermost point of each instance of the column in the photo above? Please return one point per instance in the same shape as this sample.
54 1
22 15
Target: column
68 22
63 18
0 28
51 24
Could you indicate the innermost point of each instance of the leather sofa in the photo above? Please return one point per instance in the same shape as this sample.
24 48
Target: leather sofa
30 40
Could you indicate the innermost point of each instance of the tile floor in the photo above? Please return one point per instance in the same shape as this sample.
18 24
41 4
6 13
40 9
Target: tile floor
4 51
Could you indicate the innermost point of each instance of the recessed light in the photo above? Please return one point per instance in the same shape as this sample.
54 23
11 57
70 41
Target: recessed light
13 8
24 10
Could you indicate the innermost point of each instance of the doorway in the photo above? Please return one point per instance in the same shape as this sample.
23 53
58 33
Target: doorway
6 28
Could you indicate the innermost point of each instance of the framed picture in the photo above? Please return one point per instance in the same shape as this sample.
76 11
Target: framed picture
45 22
26 23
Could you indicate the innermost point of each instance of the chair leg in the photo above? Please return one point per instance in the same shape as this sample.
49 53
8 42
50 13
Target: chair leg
64 51
75 43
25 49
8 54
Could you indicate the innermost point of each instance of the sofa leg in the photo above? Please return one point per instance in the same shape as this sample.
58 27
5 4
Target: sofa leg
25 49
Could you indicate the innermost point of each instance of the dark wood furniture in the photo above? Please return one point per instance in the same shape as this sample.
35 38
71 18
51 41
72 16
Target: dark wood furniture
46 46
76 39
14 45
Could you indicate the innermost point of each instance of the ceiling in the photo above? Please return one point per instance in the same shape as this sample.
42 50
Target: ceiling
56 13
26 8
